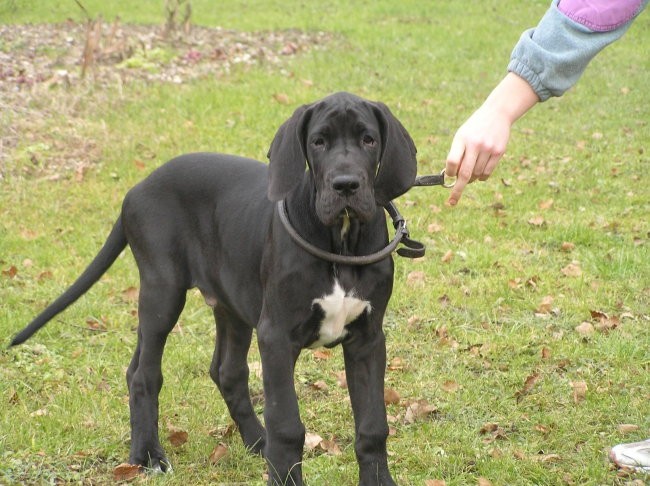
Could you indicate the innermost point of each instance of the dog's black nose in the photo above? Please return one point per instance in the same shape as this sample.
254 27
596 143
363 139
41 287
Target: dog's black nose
346 185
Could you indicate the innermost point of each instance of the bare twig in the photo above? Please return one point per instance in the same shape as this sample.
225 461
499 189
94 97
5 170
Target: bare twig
83 9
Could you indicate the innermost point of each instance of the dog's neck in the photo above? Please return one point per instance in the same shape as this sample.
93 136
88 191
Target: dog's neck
345 235
342 238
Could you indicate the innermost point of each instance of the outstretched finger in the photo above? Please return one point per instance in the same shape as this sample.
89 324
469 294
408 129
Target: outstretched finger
463 175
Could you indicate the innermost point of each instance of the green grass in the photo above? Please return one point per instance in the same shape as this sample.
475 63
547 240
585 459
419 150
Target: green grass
63 400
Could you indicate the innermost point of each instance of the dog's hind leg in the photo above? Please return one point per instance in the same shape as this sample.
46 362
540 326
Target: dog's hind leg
159 308
229 370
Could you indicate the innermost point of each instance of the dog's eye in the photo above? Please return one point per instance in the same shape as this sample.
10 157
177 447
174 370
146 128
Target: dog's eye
369 141
318 142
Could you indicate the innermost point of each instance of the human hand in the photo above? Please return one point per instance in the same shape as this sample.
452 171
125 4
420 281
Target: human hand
476 149
481 141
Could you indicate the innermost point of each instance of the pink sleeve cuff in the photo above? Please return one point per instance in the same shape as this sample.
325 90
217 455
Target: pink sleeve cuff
600 15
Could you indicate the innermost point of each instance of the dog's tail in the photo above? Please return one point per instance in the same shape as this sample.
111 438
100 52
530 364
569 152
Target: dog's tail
112 248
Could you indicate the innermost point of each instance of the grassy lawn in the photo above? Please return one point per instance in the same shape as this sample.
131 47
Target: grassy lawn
524 332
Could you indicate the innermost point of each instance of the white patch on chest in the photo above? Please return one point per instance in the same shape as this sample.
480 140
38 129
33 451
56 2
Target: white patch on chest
340 309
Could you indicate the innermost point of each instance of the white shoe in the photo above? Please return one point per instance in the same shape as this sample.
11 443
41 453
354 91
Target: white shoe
635 455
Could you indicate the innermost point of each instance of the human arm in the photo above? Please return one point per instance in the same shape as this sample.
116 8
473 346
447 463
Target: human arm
481 141
549 60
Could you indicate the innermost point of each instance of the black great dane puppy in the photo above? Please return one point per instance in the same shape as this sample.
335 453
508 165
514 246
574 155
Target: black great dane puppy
211 221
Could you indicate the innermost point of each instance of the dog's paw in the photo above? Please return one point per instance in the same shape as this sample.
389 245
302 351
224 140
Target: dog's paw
160 466
375 475
152 463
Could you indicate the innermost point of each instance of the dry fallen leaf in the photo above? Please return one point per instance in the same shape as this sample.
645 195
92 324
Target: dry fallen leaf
396 364
606 325
435 482
419 409
547 204
131 294
330 447
519 454
545 306
494 431
443 300
529 383
488 428
484 482
585 329
434 228
218 453
289 49
447 257
319 385
579 391
255 367
413 321
627 428
542 429
322 354
572 270
450 386
281 98
223 432
445 339
567 247
178 437
604 322
11 272
545 458
598 315
496 453
341 379
127 472
537 221
312 441
416 279
391 397
46 274
95 325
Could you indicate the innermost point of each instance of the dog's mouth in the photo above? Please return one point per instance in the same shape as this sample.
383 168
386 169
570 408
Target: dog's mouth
347 213
345 218
342 212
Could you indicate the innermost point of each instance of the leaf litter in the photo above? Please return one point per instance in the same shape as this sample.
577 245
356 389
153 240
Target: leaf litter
48 71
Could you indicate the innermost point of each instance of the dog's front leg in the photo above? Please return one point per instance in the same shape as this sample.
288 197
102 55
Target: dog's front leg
285 432
365 363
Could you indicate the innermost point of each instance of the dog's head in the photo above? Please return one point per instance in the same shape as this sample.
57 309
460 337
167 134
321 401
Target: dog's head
358 154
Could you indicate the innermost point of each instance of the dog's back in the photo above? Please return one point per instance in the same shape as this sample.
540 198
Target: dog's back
203 207
195 208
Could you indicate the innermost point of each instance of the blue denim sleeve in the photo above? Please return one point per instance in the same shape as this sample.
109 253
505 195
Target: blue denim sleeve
552 56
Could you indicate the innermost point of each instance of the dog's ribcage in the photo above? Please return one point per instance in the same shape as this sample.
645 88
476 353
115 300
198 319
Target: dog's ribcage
340 308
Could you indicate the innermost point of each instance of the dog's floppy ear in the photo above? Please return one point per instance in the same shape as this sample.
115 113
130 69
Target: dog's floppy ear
287 157
397 165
